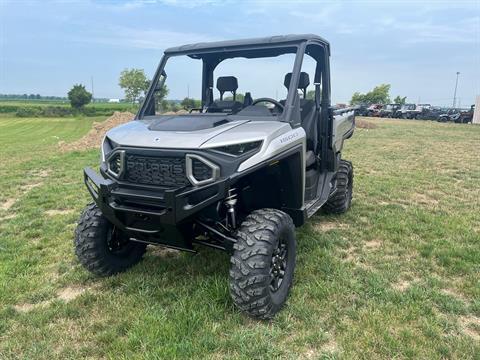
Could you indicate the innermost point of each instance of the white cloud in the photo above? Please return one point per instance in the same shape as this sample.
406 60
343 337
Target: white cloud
193 3
414 32
149 39
136 4
420 25
328 16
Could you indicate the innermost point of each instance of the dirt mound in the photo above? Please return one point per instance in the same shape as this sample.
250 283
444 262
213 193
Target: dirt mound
179 112
363 124
94 137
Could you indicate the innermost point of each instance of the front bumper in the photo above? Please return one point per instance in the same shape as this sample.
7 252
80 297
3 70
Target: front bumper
147 213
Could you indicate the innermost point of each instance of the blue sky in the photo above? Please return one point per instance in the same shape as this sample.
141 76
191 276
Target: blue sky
417 47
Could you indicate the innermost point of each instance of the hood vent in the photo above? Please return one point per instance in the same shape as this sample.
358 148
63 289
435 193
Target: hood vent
221 122
187 122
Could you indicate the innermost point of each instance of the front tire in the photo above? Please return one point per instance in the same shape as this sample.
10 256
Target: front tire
263 263
101 248
340 201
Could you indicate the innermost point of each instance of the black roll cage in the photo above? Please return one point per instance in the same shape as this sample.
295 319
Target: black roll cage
214 53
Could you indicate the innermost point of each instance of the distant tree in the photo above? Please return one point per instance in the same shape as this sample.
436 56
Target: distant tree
400 100
160 93
164 105
134 82
174 106
238 97
379 95
357 98
188 103
79 96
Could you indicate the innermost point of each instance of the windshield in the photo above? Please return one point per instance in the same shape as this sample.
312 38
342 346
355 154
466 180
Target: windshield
238 86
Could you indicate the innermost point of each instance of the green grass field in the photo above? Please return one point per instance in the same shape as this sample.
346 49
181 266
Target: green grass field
398 276
58 108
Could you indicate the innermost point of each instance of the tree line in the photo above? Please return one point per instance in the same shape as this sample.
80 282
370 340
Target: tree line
135 84
30 97
379 95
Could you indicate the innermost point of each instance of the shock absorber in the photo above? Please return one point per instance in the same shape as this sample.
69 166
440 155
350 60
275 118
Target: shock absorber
230 202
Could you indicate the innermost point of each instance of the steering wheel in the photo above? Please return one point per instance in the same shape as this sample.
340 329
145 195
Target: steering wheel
269 100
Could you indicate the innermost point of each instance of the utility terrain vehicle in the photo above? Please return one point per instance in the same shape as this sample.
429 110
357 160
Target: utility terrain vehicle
465 116
235 176
413 111
389 110
458 116
374 110
361 109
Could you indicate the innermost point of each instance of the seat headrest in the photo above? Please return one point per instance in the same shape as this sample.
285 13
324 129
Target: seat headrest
303 82
227 83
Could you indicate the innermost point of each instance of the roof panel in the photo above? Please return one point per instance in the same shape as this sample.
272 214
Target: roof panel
255 42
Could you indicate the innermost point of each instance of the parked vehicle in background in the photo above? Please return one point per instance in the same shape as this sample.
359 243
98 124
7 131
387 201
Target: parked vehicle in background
458 116
361 109
389 110
431 113
374 110
423 107
409 111
427 112
447 115
465 116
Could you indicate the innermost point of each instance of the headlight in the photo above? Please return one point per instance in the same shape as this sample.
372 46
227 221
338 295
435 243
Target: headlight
239 149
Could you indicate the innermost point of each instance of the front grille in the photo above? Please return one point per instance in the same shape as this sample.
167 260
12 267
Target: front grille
149 170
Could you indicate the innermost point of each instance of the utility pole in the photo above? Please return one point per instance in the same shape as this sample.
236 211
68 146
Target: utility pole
455 93
91 79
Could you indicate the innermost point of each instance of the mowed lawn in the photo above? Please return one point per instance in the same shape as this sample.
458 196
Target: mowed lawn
396 277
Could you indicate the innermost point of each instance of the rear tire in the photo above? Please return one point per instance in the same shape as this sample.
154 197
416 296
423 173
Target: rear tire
340 201
101 248
263 263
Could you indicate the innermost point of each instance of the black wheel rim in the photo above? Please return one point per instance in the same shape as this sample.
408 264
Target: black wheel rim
278 266
117 242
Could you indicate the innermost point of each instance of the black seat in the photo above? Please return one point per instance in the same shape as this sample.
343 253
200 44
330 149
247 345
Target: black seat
226 83
307 115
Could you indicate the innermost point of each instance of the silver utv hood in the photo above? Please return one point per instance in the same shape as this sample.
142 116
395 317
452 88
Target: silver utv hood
138 134
276 137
